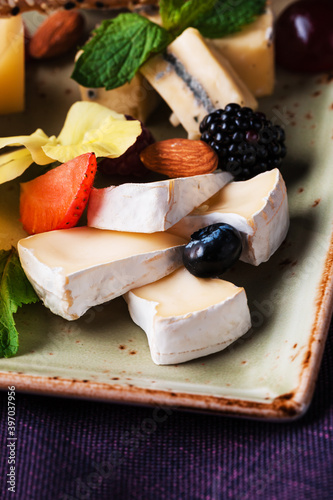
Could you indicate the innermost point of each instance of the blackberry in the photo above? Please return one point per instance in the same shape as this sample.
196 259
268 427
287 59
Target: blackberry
246 142
129 163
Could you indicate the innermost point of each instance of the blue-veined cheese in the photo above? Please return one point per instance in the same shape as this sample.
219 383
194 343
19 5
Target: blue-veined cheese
194 79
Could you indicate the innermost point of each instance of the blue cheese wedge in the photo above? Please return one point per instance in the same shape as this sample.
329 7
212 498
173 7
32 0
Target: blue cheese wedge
151 207
258 208
186 317
75 269
12 67
194 79
250 52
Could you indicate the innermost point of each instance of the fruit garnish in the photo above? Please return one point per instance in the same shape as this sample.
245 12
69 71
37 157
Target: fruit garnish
122 45
88 128
129 163
212 250
180 158
246 142
15 290
304 36
57 199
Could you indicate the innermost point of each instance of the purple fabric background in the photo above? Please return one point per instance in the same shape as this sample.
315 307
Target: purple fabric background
70 449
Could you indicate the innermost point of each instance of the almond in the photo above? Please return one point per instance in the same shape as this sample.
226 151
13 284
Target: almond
180 158
58 34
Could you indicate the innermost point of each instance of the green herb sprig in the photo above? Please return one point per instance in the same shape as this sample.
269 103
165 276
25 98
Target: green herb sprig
228 17
15 290
122 45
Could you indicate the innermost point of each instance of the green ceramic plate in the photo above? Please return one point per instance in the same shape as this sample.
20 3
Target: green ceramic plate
268 373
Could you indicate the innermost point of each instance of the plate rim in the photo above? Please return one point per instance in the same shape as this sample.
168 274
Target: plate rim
285 407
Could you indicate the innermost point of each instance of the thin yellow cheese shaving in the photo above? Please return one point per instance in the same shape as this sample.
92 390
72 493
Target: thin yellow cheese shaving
89 127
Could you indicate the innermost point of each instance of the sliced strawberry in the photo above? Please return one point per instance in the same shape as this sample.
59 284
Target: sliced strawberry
57 199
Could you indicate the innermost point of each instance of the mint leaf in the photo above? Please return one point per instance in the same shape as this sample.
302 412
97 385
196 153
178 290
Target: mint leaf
15 290
117 50
177 15
228 17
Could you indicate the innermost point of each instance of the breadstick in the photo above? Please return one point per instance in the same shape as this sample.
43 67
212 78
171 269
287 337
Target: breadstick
14 7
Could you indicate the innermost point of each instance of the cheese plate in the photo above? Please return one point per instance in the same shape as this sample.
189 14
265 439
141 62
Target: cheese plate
270 372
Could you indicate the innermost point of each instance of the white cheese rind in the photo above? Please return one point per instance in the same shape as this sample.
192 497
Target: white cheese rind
151 207
180 338
70 293
262 230
194 79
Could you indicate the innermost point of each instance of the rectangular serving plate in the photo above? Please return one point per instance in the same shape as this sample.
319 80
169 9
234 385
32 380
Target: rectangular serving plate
271 371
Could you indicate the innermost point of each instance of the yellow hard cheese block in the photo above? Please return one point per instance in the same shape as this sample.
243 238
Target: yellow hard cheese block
11 65
251 54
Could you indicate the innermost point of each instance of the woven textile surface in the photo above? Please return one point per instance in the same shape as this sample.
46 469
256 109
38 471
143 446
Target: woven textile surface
80 450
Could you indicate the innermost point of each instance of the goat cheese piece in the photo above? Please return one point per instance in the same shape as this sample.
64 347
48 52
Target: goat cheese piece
195 79
153 206
258 208
75 269
186 317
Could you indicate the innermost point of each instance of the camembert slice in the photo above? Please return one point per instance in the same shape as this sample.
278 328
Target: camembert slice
250 52
153 206
186 317
75 269
258 208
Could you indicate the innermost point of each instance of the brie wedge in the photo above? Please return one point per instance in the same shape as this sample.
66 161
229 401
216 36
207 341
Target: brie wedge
75 269
186 317
258 208
151 207
251 54
194 79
